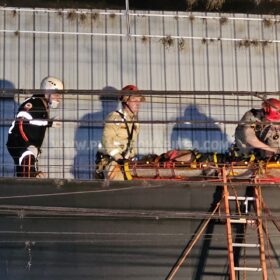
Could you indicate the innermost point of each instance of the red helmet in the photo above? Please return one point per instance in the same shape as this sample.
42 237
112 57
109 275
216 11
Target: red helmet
272 109
124 98
130 87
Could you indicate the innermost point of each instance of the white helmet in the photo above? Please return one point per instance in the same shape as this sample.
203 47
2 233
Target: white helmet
51 83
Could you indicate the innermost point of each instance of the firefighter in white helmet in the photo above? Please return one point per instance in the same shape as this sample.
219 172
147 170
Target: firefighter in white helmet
119 137
27 132
258 134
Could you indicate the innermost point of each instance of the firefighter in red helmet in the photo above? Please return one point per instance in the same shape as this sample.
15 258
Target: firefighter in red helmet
119 136
258 133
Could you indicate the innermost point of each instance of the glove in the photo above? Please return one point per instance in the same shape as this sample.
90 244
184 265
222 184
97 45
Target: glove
57 124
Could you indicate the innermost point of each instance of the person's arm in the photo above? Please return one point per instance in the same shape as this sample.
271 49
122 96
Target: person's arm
109 138
253 141
28 119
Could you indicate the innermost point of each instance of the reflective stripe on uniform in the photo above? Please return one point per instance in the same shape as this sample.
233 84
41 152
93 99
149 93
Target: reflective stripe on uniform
24 115
114 152
26 153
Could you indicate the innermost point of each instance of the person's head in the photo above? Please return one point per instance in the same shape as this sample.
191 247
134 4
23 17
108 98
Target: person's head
52 86
271 107
131 101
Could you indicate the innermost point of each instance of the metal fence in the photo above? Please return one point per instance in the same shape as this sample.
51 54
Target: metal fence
164 51
204 121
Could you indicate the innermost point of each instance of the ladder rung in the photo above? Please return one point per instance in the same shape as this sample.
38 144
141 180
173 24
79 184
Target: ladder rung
256 269
247 245
238 221
249 198
242 221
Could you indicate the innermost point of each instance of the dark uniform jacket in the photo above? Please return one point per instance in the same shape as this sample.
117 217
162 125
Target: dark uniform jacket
30 124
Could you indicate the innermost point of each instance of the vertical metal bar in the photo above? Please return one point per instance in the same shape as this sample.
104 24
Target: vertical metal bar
208 87
228 227
250 62
19 68
121 56
178 132
127 18
106 51
63 100
151 86
135 54
263 57
207 58
82 166
165 86
193 69
277 55
91 144
258 202
4 67
91 131
236 69
48 36
223 135
34 49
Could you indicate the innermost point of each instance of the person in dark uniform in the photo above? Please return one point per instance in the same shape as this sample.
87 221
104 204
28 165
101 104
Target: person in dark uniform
28 130
257 133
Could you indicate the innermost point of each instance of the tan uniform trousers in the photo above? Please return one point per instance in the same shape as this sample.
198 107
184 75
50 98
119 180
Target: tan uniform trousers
113 171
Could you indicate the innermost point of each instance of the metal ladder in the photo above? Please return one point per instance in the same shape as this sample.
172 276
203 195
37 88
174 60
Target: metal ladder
230 221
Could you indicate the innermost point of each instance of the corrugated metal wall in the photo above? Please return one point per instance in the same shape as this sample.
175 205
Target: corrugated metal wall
165 51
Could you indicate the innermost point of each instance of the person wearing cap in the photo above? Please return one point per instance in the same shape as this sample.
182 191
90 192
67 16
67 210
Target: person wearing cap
119 137
257 134
28 130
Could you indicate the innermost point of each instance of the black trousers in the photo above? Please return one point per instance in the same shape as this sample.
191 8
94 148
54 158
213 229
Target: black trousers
25 161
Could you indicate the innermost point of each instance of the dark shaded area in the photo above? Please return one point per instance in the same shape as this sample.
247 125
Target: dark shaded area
206 245
88 135
53 246
204 137
229 6
8 108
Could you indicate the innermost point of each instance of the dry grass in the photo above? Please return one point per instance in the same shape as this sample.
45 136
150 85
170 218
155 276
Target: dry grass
190 3
214 4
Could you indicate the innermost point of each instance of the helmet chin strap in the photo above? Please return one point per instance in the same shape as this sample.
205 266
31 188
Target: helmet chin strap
128 107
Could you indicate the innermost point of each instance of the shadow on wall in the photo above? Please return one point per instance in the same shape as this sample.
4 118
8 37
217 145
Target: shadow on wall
88 135
8 109
205 136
